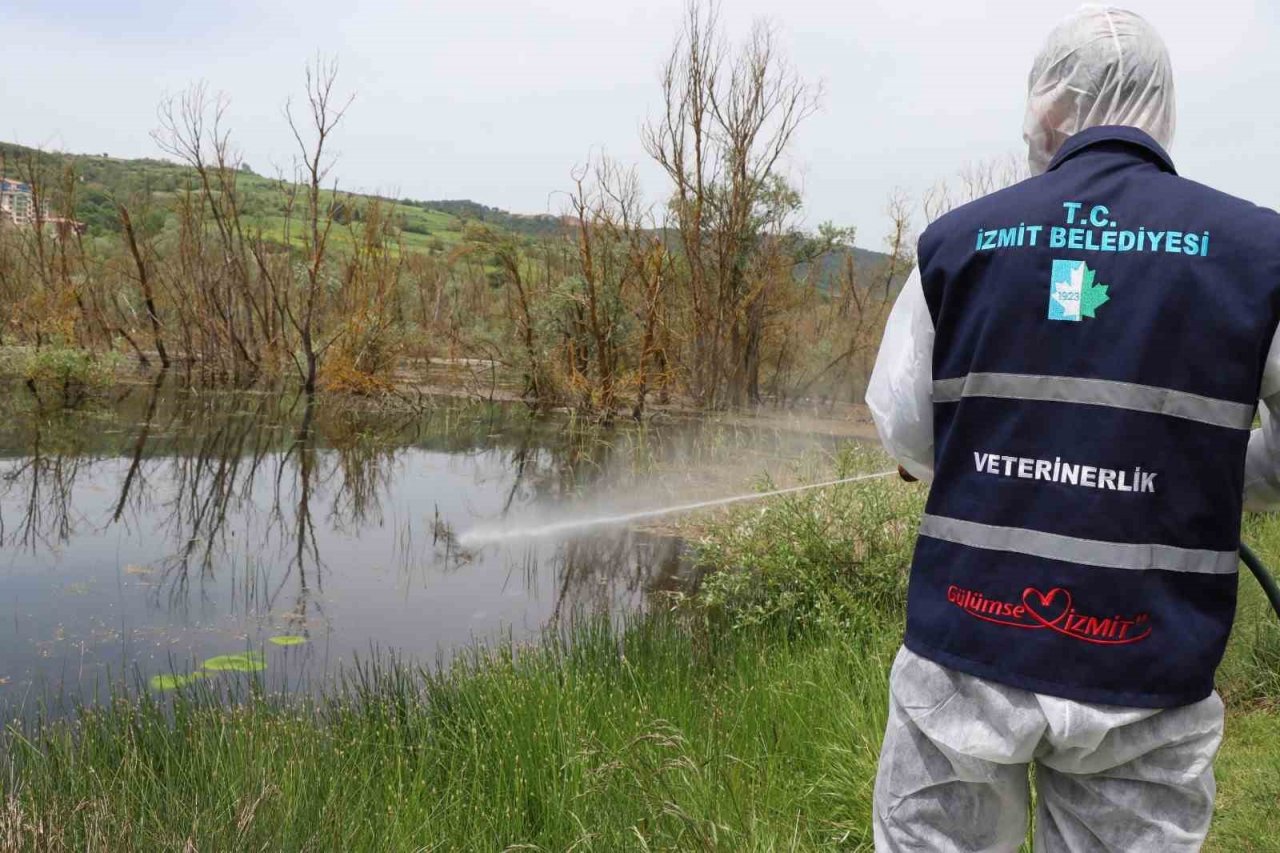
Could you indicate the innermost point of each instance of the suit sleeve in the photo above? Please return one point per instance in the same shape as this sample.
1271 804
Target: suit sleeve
900 393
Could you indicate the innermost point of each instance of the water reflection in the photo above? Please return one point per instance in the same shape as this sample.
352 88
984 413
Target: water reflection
170 525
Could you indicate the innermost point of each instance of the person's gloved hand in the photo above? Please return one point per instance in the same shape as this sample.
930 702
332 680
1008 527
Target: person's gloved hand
902 472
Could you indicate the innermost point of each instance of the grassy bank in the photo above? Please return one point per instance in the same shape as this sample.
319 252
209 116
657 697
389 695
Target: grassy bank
749 719
660 741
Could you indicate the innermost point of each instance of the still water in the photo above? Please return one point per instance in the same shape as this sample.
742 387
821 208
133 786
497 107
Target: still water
162 527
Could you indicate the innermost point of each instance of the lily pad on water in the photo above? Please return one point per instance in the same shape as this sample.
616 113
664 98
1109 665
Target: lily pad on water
173 682
247 662
288 640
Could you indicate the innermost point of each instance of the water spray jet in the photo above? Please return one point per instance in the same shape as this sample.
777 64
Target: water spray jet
480 536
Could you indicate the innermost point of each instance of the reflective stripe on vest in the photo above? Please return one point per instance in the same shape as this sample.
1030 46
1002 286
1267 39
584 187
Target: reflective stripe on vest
1097 392
1091 552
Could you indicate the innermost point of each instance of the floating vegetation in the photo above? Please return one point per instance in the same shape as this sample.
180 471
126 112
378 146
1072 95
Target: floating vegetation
247 662
173 682
288 640
132 569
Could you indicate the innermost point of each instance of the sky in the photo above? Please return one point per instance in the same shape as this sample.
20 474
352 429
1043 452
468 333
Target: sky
499 100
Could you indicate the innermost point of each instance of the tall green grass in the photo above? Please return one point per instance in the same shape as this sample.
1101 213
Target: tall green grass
660 737
1250 674
747 719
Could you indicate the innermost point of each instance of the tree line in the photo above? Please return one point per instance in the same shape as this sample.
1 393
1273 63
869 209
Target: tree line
713 296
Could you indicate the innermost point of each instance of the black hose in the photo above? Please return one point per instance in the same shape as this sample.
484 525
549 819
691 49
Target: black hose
1269 585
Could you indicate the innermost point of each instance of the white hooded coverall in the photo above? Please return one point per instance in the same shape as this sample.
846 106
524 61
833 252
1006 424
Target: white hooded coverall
954 766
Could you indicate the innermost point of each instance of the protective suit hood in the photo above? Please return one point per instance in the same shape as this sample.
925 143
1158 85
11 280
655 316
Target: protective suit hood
1100 66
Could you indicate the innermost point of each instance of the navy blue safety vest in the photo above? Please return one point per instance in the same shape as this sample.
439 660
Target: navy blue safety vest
1101 333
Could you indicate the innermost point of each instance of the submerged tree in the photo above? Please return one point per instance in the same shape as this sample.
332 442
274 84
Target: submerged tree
728 118
324 115
712 297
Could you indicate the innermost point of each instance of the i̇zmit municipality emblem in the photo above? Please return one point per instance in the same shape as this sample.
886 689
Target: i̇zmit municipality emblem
1073 294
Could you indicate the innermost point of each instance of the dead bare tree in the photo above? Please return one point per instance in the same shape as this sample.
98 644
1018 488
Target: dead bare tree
227 320
654 272
325 113
367 313
971 182
521 301
144 281
614 241
727 121
853 314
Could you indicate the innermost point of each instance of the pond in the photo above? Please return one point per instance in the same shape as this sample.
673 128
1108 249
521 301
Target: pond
161 528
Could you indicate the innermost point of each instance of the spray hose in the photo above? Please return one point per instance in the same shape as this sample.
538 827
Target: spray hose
1265 578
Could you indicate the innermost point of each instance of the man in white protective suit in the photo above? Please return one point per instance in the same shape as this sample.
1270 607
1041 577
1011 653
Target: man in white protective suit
1075 367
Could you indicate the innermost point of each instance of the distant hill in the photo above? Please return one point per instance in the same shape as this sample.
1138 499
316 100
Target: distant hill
536 224
428 226
871 267
102 180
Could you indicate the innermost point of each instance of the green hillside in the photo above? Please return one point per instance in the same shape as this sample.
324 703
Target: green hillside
149 185
101 181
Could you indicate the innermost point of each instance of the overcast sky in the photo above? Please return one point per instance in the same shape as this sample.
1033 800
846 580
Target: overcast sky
497 100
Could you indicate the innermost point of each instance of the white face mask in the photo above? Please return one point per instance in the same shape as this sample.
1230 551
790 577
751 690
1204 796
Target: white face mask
1101 66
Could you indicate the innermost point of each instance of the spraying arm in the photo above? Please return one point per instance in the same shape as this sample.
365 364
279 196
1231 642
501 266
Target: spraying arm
900 393
1262 462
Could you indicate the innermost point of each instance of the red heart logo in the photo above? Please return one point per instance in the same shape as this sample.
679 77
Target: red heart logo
1047 608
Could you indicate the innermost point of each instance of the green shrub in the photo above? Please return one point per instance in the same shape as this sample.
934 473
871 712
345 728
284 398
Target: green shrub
66 376
824 557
